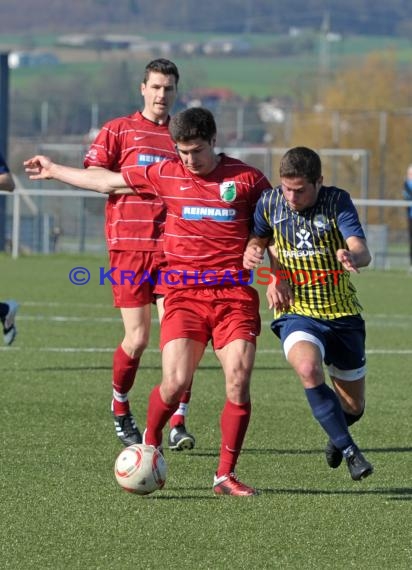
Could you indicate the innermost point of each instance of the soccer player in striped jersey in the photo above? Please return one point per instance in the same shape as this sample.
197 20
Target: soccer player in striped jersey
210 199
315 241
134 234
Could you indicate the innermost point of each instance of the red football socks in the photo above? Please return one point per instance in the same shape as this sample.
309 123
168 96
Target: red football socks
124 372
234 422
158 414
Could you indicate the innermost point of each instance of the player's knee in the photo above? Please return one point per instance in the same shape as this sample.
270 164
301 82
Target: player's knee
135 344
310 372
173 387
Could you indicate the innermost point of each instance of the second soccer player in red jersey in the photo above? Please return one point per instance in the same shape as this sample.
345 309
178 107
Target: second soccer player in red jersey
134 234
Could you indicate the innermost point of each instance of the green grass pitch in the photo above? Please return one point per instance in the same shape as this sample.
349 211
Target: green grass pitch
61 507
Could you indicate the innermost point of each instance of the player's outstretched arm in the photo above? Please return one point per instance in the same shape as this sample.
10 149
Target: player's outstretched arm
357 255
41 167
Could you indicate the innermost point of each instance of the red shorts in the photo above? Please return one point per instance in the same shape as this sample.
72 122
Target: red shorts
135 277
220 314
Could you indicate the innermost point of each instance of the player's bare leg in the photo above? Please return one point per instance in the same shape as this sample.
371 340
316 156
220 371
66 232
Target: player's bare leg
180 358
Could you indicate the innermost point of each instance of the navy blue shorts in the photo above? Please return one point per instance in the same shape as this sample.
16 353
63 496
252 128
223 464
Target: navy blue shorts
341 341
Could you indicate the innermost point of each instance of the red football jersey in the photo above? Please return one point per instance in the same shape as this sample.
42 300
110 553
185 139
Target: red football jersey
132 222
208 218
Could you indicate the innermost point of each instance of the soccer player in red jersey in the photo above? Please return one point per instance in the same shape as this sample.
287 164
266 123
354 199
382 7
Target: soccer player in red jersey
210 199
8 309
134 234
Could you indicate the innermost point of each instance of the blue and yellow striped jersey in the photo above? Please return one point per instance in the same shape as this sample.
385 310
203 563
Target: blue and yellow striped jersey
306 243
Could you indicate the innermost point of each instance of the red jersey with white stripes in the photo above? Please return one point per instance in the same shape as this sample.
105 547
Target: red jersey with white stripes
208 218
133 222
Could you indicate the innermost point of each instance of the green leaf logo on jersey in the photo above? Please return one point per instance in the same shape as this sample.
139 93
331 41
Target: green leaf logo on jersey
228 191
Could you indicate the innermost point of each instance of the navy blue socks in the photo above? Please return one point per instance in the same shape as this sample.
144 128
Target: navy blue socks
327 410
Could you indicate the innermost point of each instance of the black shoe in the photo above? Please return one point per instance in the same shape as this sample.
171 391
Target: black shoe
127 430
333 455
9 326
358 467
179 439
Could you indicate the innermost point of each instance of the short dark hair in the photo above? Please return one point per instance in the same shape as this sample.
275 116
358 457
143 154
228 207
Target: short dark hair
161 65
193 123
301 161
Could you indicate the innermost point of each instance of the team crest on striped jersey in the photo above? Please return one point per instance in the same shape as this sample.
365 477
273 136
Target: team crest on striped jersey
321 222
228 191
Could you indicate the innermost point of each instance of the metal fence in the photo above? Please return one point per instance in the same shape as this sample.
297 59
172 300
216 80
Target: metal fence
42 219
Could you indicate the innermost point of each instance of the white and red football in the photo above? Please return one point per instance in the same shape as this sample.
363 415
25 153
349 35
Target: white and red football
140 469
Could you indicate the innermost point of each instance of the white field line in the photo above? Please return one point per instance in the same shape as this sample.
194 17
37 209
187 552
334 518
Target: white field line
60 304
66 349
383 321
71 306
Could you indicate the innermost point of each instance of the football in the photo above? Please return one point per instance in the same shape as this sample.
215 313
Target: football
140 469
